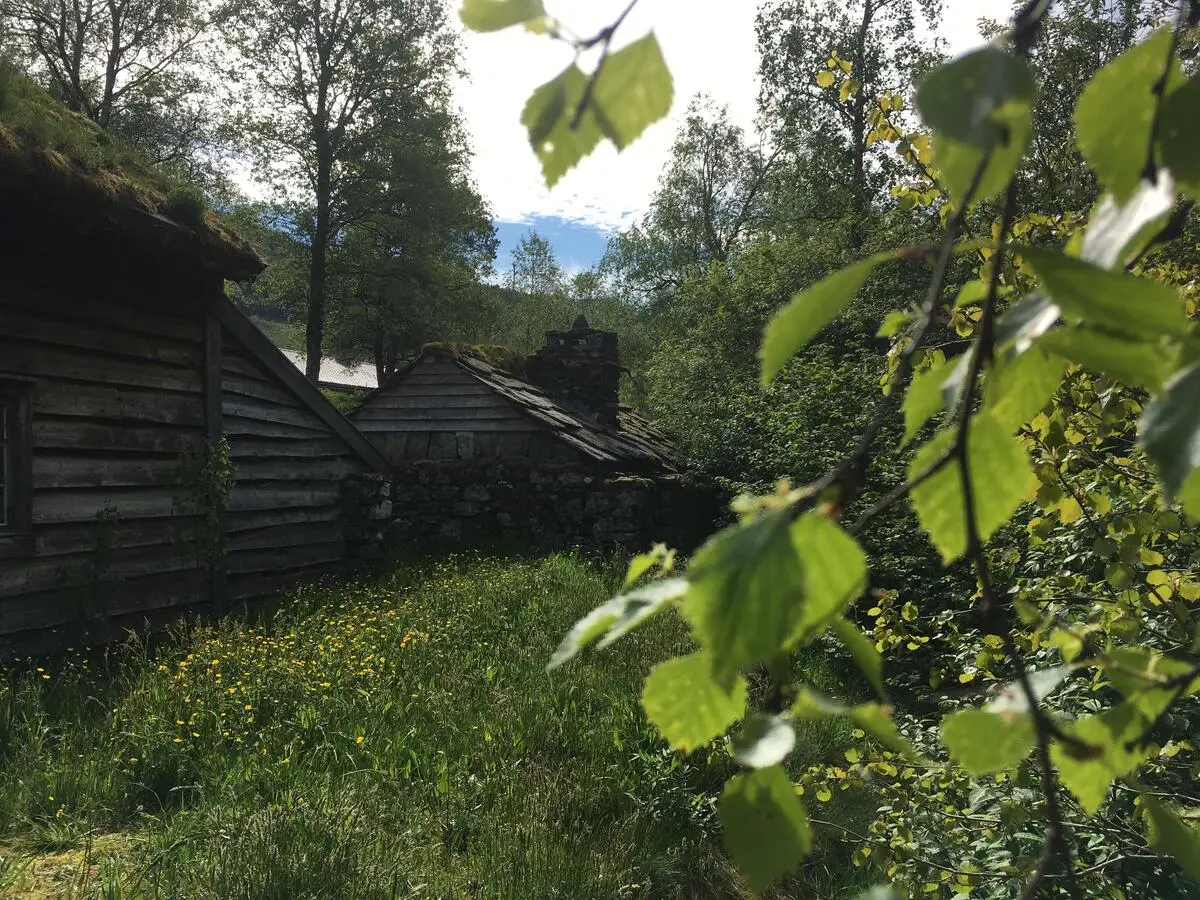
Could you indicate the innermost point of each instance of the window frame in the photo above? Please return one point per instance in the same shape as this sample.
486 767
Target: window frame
16 537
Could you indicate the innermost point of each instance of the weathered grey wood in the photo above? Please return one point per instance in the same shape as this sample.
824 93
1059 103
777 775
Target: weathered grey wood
417 446
124 404
42 359
73 434
85 537
138 596
515 444
240 426
24 576
276 536
285 559
435 425
262 411
422 414
214 414
240 521
264 448
246 587
50 507
102 471
449 398
443 445
259 390
251 495
335 469
49 329
135 320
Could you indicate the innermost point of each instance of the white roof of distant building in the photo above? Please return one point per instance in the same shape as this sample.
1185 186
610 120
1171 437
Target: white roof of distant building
360 376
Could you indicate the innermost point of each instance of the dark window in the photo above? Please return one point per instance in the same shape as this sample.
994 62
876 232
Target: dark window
16 470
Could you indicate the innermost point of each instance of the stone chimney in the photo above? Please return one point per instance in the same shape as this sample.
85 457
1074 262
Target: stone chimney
581 369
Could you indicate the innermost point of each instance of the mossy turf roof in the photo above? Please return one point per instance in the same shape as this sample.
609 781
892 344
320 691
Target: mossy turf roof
82 177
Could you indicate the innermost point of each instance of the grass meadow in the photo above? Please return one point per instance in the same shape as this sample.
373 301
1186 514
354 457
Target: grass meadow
389 738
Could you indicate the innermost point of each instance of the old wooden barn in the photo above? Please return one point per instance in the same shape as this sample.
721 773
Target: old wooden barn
122 366
493 445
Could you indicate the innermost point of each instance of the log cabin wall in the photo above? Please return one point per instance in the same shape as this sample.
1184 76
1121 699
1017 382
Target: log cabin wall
287 518
436 410
115 390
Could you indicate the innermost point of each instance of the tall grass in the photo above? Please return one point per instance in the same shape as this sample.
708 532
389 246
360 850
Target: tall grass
392 738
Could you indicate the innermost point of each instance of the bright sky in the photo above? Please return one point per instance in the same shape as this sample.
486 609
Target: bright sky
710 47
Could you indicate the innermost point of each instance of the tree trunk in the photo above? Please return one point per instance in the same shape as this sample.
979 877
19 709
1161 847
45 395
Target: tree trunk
317 273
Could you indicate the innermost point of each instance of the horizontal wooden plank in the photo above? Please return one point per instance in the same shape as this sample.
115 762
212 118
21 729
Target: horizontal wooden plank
264 411
448 399
241 386
125 404
420 378
101 471
87 537
248 446
255 495
276 536
238 427
302 469
519 424
283 559
48 328
69 434
57 607
83 505
24 576
183 324
240 521
257 585
34 358
235 362
427 413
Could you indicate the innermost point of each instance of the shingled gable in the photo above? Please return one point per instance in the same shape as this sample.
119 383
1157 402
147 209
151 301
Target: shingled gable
630 442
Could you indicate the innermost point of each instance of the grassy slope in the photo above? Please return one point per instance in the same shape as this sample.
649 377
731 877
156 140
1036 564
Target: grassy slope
286 335
387 739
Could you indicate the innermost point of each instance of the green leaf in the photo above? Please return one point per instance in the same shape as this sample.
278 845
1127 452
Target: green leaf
1000 479
984 742
1042 684
1179 135
743 597
1115 114
961 98
923 400
766 829
1133 362
957 163
656 556
1150 701
616 618
833 572
761 586
811 310
1113 300
547 117
862 650
633 91
1117 232
1020 386
871 717
1170 433
1167 833
687 705
1024 321
978 104
764 741
493 15
1087 775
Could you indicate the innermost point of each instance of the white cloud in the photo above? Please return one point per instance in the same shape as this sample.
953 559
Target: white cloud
710 47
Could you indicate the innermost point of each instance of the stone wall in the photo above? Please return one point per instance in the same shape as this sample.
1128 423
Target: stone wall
367 508
478 502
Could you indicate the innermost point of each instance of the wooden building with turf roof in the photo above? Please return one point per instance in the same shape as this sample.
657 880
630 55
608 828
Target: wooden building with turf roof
124 372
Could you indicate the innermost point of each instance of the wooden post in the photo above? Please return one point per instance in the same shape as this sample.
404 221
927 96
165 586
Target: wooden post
215 430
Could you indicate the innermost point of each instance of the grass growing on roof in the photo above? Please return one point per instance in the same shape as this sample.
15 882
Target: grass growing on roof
388 738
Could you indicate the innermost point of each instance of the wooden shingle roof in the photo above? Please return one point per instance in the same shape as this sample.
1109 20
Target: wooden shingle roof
632 442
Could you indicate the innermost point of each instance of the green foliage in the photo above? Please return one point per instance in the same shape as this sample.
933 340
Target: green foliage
984 742
766 829
493 15
688 705
185 205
